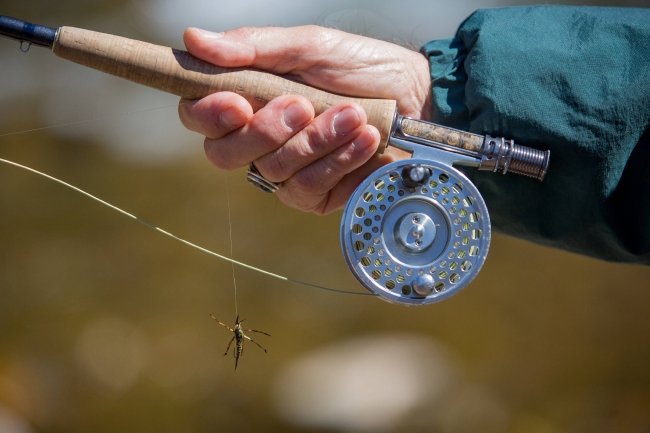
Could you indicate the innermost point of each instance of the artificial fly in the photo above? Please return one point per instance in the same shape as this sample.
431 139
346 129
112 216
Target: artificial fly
239 337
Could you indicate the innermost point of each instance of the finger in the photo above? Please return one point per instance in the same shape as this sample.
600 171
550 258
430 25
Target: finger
309 188
335 127
338 196
268 129
275 49
320 56
328 59
215 115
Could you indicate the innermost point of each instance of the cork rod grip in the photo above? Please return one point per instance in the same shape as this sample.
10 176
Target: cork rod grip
180 73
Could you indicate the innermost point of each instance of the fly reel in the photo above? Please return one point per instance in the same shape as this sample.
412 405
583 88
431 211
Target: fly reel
417 231
416 242
414 232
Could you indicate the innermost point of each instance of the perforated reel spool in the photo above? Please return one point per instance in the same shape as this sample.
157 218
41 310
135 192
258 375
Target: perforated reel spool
415 245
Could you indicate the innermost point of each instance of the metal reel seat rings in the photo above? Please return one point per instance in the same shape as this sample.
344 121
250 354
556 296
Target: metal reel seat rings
415 232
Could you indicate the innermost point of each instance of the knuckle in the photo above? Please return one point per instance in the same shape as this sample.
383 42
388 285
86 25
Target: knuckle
332 167
347 160
301 207
275 168
185 116
185 119
294 196
312 142
320 210
305 204
245 31
307 180
318 141
310 28
313 32
267 125
217 156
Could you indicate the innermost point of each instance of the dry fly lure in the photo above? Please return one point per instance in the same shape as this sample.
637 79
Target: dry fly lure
239 338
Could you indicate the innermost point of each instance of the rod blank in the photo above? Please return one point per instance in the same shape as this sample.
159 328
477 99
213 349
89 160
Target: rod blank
23 31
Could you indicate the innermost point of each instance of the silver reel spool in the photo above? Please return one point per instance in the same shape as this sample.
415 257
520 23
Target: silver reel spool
415 245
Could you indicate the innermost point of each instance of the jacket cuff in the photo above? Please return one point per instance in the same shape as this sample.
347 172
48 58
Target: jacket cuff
448 80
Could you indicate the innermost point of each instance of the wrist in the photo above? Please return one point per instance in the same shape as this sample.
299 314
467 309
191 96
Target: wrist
423 88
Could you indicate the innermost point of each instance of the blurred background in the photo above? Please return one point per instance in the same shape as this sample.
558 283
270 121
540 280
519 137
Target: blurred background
104 323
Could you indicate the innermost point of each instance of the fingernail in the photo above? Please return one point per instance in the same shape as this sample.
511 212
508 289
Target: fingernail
208 35
232 118
346 121
295 115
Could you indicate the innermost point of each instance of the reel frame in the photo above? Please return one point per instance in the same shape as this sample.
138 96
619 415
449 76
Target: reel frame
417 243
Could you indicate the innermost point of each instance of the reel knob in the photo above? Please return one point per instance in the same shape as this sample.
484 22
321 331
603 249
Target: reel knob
414 175
424 285
415 232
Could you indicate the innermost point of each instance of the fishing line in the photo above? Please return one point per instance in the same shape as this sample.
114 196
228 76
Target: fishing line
78 122
234 281
205 250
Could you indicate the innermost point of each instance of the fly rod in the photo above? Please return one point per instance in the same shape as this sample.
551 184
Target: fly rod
178 72
415 232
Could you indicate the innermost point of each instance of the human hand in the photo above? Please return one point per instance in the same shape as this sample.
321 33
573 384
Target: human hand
319 160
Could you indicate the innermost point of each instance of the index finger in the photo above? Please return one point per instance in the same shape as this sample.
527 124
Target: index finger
275 49
328 59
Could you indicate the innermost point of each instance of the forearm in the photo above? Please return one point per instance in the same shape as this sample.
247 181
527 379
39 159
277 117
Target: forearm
571 79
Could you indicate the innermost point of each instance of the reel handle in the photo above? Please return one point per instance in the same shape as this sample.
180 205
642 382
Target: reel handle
180 73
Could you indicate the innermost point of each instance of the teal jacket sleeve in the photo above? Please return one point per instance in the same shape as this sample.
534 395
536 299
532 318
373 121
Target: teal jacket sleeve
575 80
